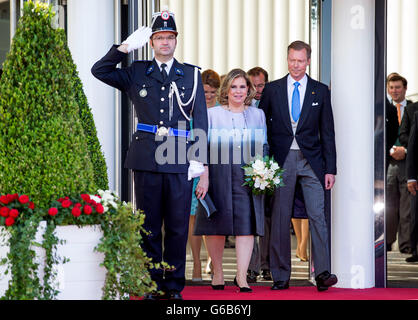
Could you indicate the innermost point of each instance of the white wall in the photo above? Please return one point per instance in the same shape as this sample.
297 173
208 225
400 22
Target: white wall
226 34
403 41
353 42
90 36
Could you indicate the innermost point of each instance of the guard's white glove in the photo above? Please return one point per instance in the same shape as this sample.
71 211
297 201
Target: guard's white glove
196 169
138 38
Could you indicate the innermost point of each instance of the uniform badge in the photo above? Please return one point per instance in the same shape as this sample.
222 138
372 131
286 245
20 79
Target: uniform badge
165 15
143 93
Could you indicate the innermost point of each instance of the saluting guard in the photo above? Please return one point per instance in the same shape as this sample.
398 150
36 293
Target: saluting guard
170 106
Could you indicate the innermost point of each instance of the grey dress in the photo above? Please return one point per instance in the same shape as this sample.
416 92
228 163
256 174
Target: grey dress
234 140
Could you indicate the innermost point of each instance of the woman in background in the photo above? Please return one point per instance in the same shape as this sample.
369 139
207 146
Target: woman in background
211 83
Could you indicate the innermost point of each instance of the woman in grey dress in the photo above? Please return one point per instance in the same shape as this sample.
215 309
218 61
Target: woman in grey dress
237 133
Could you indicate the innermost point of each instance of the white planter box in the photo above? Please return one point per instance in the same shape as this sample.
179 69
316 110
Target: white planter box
82 278
4 250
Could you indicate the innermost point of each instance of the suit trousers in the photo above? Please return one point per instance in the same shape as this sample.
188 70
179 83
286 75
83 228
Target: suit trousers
260 257
165 199
297 168
398 205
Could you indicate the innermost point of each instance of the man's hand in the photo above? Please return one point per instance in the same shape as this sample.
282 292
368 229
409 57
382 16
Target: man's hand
329 181
398 153
413 187
136 40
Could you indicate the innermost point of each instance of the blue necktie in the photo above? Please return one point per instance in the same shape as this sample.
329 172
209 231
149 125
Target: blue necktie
296 102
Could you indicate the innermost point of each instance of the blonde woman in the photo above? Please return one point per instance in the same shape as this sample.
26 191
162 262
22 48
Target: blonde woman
236 132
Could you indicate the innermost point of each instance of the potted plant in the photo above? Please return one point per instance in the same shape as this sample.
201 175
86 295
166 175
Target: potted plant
49 152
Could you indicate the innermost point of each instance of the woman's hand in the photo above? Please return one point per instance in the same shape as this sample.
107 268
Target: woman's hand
203 185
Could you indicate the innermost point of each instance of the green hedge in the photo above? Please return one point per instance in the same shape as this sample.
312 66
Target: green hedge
44 151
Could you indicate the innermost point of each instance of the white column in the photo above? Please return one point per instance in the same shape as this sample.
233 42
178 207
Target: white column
90 36
352 81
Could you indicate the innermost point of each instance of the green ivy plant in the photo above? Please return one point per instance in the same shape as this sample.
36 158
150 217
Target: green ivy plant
49 152
19 225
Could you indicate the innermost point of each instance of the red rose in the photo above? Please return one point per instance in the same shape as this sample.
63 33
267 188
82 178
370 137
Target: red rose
78 205
52 211
10 198
85 197
23 199
31 205
76 212
4 199
13 213
87 209
10 221
4 212
99 209
66 203
15 196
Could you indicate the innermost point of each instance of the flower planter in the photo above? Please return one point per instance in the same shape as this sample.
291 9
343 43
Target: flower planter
82 278
4 250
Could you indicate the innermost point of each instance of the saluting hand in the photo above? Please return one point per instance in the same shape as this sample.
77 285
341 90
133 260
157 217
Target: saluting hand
137 39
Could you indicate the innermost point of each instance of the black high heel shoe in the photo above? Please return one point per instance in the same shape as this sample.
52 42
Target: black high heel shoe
218 287
242 289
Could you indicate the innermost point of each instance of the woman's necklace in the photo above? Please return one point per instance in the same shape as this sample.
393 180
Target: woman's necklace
234 127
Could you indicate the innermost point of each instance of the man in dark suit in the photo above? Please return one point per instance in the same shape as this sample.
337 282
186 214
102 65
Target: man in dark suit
398 200
301 136
166 95
412 174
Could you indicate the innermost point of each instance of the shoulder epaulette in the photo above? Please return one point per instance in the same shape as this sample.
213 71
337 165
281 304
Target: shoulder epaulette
191 65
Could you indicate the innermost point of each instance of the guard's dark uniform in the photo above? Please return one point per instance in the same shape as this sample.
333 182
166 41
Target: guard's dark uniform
163 191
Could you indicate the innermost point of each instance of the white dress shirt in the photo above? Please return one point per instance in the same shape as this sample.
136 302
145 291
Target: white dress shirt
302 90
168 63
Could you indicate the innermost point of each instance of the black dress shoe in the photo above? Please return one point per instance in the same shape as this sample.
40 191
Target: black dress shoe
325 280
242 289
174 295
252 276
154 296
267 275
280 285
413 258
406 250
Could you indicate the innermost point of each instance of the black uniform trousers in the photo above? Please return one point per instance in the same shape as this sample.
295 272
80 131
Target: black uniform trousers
165 199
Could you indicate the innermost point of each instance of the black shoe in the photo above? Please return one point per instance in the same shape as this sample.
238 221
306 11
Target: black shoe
154 296
242 289
174 295
252 276
280 285
229 244
218 286
325 280
266 275
413 258
406 250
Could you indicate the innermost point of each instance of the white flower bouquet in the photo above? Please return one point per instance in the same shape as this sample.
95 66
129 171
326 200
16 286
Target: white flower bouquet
263 175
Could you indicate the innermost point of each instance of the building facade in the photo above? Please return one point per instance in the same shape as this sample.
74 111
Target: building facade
355 44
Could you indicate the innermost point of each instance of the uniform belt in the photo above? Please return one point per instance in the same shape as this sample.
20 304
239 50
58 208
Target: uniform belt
162 131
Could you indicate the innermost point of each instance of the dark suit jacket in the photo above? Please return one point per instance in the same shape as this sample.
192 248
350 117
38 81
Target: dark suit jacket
407 122
392 129
412 155
315 132
143 83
